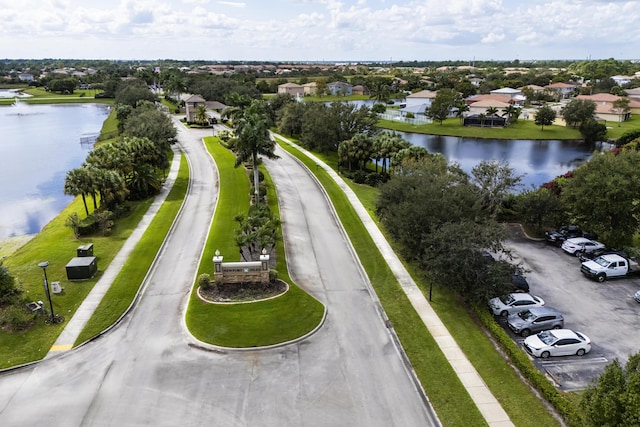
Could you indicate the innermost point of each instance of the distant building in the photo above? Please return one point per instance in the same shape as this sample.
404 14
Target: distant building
339 88
291 89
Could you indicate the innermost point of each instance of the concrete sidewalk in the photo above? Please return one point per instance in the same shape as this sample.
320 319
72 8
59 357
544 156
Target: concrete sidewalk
486 402
82 315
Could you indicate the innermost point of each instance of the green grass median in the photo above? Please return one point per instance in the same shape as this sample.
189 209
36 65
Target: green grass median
262 323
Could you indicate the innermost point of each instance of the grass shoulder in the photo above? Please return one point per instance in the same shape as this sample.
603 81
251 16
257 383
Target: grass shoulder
125 287
262 323
522 129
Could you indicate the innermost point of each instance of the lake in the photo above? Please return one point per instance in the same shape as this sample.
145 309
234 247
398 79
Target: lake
538 161
39 145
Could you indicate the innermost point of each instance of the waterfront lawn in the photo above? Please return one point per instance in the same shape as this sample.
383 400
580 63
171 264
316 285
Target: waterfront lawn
522 129
125 287
56 244
451 401
278 320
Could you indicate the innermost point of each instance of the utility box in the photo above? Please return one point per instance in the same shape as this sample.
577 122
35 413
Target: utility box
85 250
80 268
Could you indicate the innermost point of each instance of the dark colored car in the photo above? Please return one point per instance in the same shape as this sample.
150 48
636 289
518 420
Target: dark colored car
520 283
557 237
563 233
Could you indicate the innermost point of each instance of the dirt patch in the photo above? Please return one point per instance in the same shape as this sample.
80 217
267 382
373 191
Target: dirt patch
242 292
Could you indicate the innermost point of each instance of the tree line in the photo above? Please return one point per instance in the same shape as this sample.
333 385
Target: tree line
126 169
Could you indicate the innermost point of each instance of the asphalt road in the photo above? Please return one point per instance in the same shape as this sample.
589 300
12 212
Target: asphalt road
605 312
148 372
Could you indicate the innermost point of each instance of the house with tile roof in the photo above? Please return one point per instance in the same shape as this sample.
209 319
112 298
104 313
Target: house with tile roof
605 109
191 103
291 89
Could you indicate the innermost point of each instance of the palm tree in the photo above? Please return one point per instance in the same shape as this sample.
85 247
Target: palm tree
491 111
201 115
78 182
254 140
461 108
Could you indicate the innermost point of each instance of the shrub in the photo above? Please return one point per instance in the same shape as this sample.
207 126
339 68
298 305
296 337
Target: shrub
16 318
359 177
204 281
273 275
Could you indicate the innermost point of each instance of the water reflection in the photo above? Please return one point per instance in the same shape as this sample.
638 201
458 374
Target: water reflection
538 161
40 144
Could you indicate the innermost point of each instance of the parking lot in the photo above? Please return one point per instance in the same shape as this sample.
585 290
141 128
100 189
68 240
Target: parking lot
605 312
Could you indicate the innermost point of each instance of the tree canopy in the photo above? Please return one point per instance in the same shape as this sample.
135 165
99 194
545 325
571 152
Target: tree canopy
545 116
602 196
578 111
615 400
435 213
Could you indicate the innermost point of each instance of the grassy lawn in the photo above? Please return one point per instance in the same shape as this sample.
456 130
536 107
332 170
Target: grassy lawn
56 244
614 131
246 325
522 129
452 403
125 286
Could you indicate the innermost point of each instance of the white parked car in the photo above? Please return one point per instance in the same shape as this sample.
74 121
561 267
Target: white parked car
579 245
558 342
637 296
514 303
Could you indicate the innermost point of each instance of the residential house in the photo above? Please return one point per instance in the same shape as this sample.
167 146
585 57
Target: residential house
622 80
605 109
507 91
291 89
423 97
476 81
562 90
633 93
26 77
359 90
310 88
339 88
191 104
481 107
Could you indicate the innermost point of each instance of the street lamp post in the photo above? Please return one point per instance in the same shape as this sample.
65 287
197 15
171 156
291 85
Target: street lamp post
43 266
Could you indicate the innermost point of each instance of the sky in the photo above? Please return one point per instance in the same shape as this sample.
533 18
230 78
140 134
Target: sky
320 30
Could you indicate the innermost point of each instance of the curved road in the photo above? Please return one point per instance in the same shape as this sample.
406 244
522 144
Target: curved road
147 371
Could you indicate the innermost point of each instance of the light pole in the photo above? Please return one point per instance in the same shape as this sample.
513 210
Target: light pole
43 266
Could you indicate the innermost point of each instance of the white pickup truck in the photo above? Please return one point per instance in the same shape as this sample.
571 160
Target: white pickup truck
609 266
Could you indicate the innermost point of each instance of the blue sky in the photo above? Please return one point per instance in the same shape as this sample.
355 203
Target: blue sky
320 30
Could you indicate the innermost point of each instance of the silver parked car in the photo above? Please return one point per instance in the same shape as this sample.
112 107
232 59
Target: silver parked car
534 320
514 303
579 245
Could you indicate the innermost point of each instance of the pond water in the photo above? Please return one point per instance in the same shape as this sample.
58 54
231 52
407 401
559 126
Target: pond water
537 161
39 145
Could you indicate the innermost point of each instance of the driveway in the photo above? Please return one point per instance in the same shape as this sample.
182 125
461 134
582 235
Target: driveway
605 312
149 371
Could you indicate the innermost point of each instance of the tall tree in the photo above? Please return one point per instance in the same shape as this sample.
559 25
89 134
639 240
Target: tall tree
578 111
494 181
78 182
442 104
621 107
254 140
434 213
545 116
